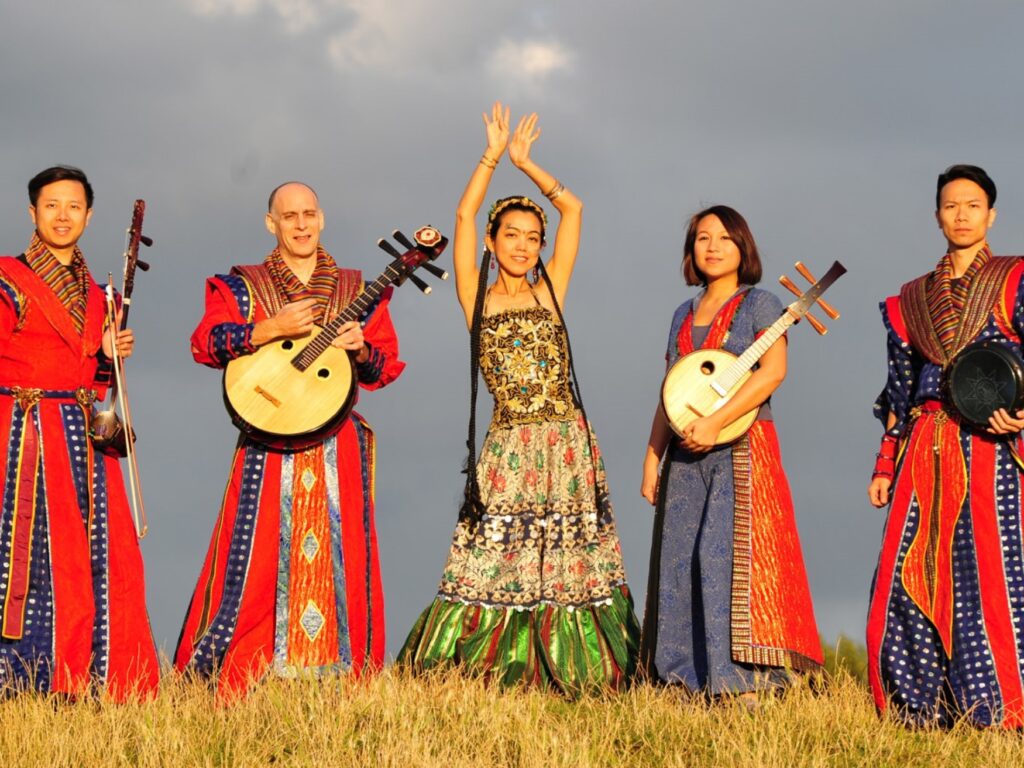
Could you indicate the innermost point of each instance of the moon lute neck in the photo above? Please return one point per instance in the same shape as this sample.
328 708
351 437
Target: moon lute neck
353 311
728 378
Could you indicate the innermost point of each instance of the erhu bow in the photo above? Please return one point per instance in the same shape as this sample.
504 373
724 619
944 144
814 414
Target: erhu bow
107 430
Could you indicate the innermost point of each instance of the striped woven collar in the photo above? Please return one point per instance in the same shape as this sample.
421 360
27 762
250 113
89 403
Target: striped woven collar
322 283
69 282
946 295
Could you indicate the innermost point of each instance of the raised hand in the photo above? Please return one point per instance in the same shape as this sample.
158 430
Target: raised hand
497 131
525 134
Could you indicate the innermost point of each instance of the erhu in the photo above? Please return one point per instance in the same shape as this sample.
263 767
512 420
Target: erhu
107 430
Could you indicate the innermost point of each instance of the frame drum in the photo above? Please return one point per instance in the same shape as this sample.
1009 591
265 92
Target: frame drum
985 377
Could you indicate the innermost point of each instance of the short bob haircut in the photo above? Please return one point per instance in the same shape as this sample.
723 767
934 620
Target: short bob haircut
971 173
736 226
59 173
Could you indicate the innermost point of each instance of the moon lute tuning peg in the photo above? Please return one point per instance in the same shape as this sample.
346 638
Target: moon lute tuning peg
388 248
421 284
816 324
435 270
827 308
403 240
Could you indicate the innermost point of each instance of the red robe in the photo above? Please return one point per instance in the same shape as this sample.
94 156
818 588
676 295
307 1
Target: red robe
291 582
71 580
945 626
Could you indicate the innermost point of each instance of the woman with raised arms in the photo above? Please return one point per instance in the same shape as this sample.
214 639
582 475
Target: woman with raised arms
534 590
728 607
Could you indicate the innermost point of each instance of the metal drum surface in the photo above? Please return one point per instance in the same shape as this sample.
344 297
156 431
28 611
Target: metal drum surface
985 377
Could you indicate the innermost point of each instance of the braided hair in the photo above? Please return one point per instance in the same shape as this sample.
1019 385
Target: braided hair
472 509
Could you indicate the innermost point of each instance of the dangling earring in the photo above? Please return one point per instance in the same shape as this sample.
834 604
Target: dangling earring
536 275
494 263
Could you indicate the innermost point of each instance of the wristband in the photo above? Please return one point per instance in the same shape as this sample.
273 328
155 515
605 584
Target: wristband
885 459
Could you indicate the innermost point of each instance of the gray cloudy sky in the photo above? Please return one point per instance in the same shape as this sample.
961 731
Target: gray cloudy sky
825 123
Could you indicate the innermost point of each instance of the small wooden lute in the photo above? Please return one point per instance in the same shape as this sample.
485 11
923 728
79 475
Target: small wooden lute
703 381
292 392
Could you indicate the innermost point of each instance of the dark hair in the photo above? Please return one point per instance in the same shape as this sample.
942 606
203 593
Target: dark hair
279 187
514 203
59 173
971 173
472 508
736 226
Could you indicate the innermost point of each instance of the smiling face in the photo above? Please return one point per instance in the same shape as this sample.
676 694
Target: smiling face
517 243
61 215
296 220
964 215
715 252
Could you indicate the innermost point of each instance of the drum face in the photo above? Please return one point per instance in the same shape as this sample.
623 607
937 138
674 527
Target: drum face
985 377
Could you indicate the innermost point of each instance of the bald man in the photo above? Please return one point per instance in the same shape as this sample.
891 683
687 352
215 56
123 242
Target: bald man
291 582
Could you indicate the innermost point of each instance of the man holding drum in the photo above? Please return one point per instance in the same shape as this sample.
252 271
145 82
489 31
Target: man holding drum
946 618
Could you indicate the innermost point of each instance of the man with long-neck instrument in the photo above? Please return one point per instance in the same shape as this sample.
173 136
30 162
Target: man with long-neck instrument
71 582
291 583
945 628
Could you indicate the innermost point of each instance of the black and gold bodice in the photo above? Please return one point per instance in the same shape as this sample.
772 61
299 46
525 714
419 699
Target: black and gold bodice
524 359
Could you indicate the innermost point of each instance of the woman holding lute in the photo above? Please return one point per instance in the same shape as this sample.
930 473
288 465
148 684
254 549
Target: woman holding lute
728 607
534 589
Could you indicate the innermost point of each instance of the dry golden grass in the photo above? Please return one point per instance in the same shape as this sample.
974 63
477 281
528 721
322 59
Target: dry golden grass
445 720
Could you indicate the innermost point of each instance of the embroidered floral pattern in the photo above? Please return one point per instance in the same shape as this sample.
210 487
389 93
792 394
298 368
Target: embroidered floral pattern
522 358
542 539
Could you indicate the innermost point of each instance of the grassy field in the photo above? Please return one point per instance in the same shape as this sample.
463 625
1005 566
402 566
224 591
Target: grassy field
445 720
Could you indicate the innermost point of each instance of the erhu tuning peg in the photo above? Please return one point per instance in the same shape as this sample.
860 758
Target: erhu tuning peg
384 245
435 270
143 265
420 284
827 308
792 287
146 240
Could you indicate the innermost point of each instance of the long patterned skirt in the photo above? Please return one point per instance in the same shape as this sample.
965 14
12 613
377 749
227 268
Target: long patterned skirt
535 592
728 606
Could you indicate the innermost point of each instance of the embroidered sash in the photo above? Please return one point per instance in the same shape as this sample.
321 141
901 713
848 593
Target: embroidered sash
36 292
718 333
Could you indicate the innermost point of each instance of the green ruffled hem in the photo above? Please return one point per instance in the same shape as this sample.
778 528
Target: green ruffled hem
573 650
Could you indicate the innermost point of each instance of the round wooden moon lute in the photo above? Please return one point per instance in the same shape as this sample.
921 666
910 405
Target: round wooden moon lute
273 396
687 393
703 381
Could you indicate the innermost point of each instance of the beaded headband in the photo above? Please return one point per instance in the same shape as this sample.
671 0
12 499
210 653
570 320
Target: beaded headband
525 202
